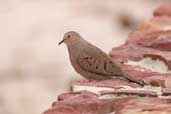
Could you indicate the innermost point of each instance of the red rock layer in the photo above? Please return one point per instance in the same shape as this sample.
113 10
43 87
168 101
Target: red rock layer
151 39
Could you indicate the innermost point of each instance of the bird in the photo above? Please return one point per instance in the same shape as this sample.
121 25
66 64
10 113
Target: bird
91 62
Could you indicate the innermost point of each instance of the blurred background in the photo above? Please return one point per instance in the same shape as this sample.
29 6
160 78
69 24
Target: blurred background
33 68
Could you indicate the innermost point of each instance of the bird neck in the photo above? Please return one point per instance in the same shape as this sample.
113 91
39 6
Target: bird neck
74 50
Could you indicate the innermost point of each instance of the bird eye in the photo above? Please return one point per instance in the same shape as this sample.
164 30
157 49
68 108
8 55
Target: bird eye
69 36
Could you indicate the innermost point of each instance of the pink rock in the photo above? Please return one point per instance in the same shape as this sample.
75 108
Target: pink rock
151 39
63 109
141 93
163 10
160 40
65 96
106 83
85 103
138 105
166 91
136 53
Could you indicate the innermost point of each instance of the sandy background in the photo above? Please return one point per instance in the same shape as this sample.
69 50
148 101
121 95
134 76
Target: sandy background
34 69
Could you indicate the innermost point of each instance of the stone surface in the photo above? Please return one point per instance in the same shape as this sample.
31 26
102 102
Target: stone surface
163 10
149 40
140 105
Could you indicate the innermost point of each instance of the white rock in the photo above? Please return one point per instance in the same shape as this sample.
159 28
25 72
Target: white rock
112 113
107 96
151 65
93 89
168 27
158 90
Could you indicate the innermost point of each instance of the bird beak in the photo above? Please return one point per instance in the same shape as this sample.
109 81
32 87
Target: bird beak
61 42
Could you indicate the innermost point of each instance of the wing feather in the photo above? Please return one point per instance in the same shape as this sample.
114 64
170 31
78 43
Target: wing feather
96 61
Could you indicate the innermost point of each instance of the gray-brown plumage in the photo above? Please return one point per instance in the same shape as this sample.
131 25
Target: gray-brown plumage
90 61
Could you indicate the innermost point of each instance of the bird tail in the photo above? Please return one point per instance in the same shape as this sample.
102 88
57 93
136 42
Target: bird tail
128 78
131 79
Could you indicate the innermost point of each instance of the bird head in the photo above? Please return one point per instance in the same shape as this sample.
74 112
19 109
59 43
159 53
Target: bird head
70 37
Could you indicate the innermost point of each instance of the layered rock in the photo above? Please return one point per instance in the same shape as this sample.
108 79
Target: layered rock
146 56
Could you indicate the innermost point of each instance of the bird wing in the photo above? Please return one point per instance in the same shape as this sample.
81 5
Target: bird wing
94 60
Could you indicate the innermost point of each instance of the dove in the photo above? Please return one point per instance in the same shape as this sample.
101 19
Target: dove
91 62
